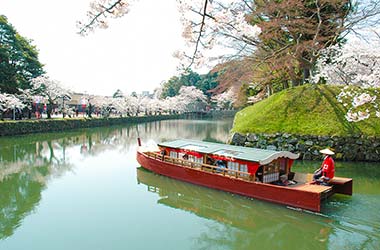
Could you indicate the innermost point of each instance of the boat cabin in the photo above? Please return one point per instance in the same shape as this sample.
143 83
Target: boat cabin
254 164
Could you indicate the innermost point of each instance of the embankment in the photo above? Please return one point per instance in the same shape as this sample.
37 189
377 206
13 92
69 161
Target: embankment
8 128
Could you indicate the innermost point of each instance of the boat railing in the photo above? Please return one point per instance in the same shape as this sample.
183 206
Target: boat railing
226 171
202 166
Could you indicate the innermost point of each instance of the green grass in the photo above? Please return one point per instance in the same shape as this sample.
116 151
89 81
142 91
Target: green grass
304 110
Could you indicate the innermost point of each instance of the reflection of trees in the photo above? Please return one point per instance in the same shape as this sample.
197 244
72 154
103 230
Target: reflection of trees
25 169
28 162
51 149
123 138
210 130
243 223
19 194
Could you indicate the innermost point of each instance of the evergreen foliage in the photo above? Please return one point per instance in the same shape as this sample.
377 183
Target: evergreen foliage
205 83
18 59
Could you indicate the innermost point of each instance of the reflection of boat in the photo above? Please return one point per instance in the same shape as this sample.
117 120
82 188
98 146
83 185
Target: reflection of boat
255 218
196 199
246 171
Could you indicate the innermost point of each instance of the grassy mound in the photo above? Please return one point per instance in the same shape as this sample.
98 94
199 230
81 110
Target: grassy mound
304 110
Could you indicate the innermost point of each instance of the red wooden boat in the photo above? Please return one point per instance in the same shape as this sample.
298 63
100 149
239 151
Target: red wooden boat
256 173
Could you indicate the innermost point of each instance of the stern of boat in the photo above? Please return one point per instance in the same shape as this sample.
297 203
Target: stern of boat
342 185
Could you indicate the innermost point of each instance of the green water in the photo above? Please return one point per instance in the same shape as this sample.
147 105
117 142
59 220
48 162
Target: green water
84 190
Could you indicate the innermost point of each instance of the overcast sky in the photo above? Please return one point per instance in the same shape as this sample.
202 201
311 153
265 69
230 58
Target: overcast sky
133 54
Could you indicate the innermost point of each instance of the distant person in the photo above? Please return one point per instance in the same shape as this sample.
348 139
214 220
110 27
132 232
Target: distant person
163 153
327 170
221 165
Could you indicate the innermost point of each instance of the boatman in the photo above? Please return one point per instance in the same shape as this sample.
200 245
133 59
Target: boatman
327 170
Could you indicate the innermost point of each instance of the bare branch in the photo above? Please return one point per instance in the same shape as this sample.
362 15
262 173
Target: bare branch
199 35
94 17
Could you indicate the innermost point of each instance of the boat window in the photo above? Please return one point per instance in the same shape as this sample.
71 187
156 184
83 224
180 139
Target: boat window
243 168
173 154
233 166
195 159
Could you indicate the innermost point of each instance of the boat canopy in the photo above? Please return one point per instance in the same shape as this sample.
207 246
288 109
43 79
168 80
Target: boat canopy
262 156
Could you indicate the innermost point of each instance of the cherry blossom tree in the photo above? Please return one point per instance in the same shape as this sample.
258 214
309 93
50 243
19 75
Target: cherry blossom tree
119 104
360 103
100 11
205 24
357 63
225 100
104 104
51 89
9 102
191 99
289 34
171 105
134 105
125 105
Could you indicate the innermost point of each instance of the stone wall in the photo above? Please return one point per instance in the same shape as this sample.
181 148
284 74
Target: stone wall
215 114
354 148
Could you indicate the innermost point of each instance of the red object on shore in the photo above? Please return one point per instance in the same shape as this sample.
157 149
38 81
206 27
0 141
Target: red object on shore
262 181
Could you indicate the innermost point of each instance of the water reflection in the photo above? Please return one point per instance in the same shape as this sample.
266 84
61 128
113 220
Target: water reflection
19 194
252 224
29 162
20 153
245 223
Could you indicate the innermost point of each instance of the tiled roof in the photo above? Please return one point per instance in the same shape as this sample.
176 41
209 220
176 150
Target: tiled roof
261 156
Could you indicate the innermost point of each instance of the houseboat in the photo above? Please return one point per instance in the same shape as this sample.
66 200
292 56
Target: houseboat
256 173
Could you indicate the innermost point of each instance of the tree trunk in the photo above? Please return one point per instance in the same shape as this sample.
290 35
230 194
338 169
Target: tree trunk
48 110
294 77
90 110
285 84
306 75
269 90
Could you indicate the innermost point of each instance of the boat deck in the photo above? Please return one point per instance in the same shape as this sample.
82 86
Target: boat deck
313 188
337 184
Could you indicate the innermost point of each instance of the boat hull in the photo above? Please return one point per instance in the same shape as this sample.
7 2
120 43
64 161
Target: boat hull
304 199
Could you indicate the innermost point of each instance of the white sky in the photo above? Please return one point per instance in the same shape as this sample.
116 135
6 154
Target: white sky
133 54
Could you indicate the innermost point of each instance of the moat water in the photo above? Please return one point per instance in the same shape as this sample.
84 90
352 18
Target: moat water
84 189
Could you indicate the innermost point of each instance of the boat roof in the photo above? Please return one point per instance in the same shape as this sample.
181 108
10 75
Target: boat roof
262 156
